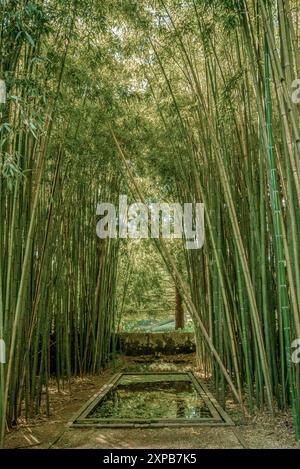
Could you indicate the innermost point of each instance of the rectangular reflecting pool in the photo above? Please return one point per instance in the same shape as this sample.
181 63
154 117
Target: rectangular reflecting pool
152 399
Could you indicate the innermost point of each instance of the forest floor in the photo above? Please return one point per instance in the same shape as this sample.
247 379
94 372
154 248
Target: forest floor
258 431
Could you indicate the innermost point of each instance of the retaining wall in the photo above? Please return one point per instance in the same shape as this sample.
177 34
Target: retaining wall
152 343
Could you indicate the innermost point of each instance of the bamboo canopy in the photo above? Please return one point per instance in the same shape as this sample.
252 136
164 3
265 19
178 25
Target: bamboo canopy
184 102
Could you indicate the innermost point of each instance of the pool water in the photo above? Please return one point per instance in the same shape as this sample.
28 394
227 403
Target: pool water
152 397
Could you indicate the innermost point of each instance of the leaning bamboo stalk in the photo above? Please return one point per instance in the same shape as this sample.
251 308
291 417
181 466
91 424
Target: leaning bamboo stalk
235 226
161 246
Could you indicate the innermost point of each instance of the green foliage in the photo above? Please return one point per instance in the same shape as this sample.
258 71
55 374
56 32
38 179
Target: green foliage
180 84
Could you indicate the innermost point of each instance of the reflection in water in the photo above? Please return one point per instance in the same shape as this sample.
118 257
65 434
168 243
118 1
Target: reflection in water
146 400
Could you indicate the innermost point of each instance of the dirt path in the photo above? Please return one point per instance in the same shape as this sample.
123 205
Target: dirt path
42 432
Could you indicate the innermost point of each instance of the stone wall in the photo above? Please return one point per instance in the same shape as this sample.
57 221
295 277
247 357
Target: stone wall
153 343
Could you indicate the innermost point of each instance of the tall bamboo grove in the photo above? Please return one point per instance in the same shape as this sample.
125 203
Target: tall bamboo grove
199 97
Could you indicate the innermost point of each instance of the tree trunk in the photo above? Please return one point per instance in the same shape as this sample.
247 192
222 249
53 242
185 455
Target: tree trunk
179 313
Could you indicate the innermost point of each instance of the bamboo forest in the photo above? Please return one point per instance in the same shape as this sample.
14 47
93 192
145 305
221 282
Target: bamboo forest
149 224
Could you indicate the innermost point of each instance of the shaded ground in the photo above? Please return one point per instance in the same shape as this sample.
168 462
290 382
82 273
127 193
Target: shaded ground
260 431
